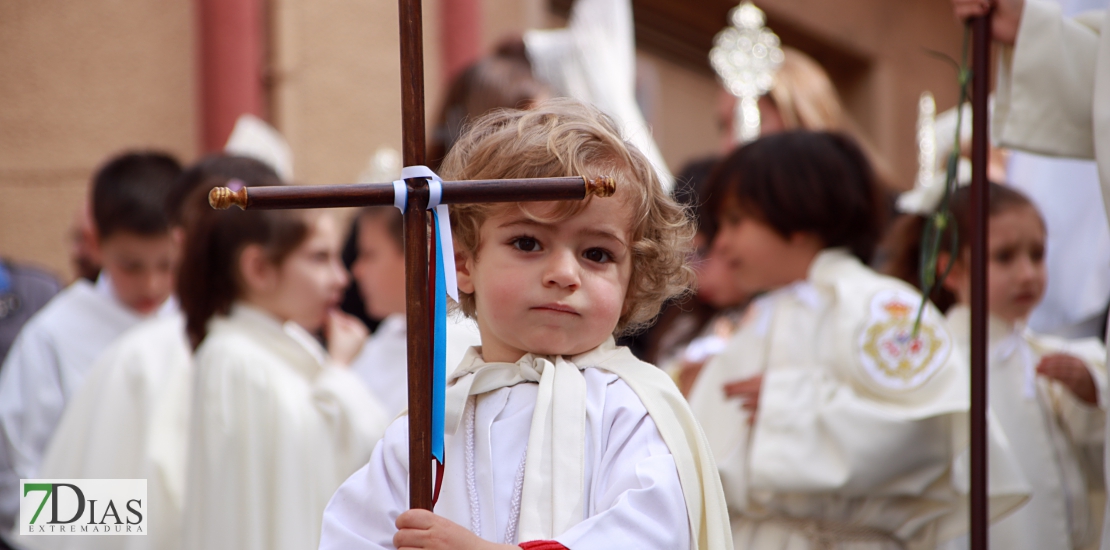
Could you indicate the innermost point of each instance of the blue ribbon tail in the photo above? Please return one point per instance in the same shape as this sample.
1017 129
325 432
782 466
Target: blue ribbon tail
439 351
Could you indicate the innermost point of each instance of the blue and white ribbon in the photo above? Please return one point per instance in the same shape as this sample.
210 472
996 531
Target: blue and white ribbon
446 285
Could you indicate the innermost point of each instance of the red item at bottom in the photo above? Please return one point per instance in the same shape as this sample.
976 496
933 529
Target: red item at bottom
542 545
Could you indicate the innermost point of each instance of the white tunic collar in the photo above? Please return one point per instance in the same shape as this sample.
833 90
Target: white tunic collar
105 287
1006 340
265 323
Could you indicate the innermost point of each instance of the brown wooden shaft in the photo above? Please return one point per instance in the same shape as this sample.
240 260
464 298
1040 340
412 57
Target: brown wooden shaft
980 88
419 346
416 257
319 196
543 189
370 194
412 83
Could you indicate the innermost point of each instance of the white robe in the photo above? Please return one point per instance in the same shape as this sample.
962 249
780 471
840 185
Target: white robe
850 448
382 362
275 429
638 491
43 371
593 60
130 420
1047 431
1053 93
1053 98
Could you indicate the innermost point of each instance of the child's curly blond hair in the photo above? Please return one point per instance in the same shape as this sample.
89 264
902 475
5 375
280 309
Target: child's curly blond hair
561 138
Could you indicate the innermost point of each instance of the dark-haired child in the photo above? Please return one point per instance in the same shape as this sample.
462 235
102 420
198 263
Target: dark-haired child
130 418
56 348
1047 393
832 424
278 422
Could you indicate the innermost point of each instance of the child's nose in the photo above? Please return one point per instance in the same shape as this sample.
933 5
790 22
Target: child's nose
341 277
562 270
1027 267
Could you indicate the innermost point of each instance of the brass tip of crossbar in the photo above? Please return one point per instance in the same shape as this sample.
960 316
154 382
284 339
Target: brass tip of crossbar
222 198
601 186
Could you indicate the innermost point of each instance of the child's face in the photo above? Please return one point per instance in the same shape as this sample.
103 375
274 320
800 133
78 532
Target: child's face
715 281
549 289
758 257
379 269
141 267
310 280
1016 275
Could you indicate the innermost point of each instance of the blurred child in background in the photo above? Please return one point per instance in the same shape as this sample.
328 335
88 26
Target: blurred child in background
1047 393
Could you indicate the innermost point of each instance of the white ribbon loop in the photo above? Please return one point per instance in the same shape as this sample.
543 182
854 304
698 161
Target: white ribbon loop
443 218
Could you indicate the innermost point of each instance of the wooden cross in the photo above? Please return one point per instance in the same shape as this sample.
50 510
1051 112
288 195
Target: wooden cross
418 287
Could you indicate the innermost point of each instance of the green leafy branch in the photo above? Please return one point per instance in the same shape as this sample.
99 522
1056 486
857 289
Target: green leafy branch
942 219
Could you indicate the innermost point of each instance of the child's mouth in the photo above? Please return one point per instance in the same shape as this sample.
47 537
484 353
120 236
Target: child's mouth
558 308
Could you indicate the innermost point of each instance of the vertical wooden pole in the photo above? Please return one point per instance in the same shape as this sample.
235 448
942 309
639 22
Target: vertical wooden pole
416 258
980 123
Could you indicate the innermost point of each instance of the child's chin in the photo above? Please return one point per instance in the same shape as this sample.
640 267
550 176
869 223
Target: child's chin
564 349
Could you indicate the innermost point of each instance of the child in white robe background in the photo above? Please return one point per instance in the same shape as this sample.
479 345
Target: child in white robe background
555 437
277 422
55 349
1047 393
379 270
130 418
832 427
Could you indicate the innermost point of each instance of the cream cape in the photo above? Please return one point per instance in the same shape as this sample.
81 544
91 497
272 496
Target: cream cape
275 429
1049 429
552 492
848 446
130 421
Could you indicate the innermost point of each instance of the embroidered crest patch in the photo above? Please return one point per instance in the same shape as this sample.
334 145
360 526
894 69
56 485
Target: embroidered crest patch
890 353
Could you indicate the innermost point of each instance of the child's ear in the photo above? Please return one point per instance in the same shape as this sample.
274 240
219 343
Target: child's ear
463 266
259 274
92 239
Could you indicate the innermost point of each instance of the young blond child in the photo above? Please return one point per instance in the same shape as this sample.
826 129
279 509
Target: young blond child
49 359
556 438
1047 393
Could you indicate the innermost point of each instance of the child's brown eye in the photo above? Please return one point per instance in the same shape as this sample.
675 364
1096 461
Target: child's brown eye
598 255
526 244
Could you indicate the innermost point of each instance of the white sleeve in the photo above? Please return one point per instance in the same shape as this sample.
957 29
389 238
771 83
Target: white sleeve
352 412
865 449
1044 99
363 513
635 499
31 403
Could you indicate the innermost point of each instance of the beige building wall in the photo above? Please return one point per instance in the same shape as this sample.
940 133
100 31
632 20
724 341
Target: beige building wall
82 81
